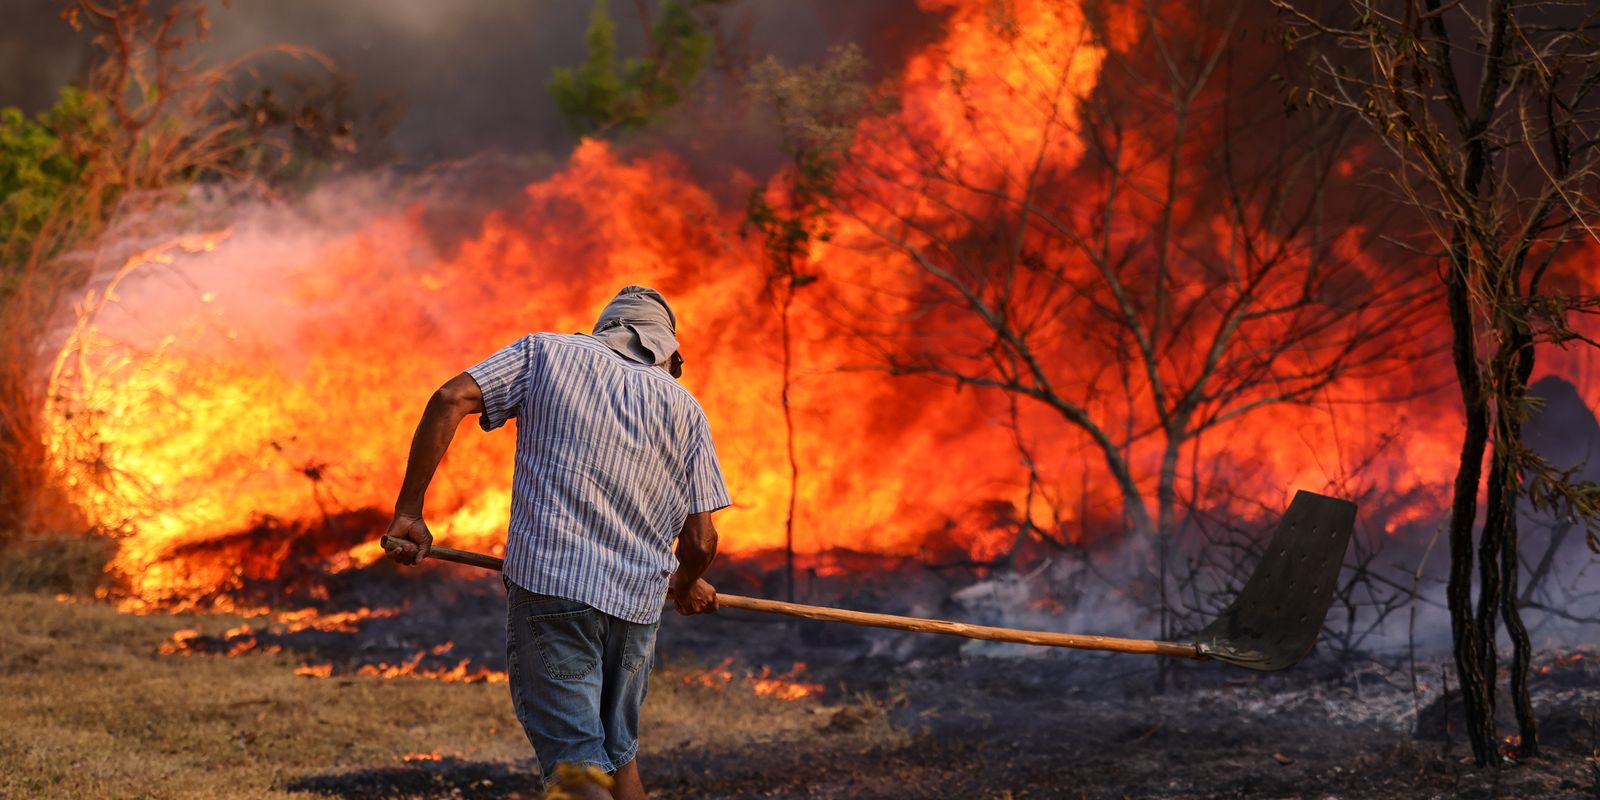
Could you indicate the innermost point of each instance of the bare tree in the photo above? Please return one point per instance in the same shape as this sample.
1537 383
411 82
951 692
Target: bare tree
1489 112
815 110
1121 243
1116 229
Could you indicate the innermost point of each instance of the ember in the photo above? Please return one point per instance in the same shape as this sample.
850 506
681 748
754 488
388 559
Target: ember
433 756
1510 747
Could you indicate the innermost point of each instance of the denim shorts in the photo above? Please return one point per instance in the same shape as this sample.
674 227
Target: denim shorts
578 676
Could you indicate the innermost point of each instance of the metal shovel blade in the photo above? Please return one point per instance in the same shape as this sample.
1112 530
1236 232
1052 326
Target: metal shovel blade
1275 620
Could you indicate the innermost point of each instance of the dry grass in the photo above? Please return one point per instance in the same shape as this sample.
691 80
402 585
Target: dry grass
55 564
92 710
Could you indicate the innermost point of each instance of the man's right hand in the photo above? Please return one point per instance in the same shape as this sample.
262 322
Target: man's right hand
408 540
701 598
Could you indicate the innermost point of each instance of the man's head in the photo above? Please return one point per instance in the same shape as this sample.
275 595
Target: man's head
640 325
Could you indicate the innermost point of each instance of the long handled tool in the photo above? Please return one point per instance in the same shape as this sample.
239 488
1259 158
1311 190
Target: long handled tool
1271 625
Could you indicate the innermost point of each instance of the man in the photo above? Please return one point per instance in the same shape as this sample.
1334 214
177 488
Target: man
614 459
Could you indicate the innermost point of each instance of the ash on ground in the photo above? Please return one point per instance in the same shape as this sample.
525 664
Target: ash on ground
977 720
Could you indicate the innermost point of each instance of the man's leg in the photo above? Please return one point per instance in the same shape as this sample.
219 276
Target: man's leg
589 791
555 649
629 647
627 785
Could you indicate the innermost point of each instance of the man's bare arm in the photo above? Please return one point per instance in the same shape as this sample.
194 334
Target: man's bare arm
697 546
450 404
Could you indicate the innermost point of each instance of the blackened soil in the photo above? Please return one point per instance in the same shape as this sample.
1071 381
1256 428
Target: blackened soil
446 777
988 727
973 720
1158 757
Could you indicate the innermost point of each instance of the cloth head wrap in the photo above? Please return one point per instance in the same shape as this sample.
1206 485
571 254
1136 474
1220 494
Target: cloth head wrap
640 325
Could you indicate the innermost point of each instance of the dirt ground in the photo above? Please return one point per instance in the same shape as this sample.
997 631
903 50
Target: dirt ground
93 709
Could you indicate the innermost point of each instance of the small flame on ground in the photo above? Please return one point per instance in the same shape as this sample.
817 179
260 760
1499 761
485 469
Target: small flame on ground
783 686
1561 661
314 671
239 640
179 643
242 639
1511 748
430 756
462 672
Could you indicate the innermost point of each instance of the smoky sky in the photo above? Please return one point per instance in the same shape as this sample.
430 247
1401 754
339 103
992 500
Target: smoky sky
469 74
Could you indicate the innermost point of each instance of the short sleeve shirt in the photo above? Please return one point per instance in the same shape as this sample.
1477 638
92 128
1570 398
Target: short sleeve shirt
612 457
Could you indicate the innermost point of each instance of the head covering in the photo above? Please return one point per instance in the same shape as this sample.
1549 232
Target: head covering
640 325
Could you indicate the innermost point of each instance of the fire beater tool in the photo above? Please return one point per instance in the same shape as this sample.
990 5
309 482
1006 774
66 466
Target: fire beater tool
1271 625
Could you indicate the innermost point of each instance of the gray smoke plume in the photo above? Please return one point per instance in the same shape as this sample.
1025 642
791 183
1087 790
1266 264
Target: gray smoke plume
470 74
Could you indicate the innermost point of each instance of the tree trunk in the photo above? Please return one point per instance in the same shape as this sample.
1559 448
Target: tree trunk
1477 686
1490 544
788 428
1521 643
1166 501
1518 345
1138 513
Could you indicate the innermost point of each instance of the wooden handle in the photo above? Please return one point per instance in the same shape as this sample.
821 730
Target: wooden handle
894 622
467 557
923 625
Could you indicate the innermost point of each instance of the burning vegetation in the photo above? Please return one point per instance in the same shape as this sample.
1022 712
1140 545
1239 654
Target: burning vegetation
1038 320
218 418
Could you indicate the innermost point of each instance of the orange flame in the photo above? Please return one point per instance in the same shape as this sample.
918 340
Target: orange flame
281 381
764 683
430 756
462 672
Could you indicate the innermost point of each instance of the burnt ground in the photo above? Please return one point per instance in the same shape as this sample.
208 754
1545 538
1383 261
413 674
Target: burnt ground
979 720
1041 728
1047 727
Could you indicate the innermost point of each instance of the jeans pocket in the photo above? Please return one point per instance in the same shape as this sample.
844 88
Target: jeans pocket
568 640
638 646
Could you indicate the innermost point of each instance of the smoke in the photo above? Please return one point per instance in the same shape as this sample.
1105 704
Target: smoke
1559 566
38 55
470 73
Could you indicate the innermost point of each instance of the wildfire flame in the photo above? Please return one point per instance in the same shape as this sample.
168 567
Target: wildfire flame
278 384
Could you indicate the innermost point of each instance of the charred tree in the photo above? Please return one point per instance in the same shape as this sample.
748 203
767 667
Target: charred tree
1502 175
1108 224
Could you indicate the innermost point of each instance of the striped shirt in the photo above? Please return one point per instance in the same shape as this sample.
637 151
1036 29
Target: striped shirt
612 457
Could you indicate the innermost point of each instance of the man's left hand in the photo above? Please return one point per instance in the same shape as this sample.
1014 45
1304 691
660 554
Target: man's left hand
701 598
408 540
